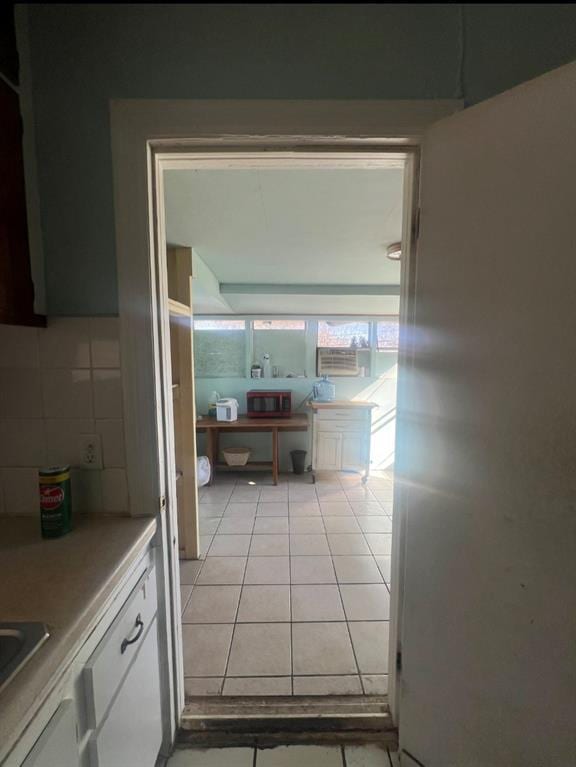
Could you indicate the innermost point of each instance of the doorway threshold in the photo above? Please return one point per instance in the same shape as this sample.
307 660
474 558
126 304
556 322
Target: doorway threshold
267 721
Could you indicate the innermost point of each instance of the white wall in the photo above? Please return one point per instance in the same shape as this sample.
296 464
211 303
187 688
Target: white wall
55 384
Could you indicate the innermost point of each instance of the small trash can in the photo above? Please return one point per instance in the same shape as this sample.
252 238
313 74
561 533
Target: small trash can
298 461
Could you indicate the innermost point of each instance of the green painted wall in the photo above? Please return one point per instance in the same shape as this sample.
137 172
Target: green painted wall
84 55
380 389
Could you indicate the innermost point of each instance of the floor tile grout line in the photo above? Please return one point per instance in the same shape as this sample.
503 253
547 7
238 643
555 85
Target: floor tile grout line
287 676
183 607
221 687
291 615
234 625
352 643
286 622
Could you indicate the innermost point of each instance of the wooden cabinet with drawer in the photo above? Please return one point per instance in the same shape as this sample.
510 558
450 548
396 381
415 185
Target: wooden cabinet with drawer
341 434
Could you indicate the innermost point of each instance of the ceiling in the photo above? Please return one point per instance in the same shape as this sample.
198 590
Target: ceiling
302 227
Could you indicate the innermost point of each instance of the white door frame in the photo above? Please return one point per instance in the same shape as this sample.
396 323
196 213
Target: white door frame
151 135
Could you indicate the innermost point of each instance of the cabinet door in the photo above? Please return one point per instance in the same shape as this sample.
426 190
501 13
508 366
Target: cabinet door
328 451
109 662
131 734
354 450
57 744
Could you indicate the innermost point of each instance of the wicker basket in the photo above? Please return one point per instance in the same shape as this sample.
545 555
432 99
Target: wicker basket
236 456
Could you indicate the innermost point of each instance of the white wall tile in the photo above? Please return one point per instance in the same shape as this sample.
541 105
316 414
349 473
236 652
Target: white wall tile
65 343
67 393
112 433
86 491
19 347
105 342
22 442
62 436
114 490
54 383
20 393
21 495
107 393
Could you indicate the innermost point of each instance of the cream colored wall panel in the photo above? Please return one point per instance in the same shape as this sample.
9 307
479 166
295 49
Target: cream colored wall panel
488 440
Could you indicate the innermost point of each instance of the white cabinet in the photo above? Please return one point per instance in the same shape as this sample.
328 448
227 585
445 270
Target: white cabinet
122 684
57 745
105 708
341 434
131 733
353 454
328 450
110 662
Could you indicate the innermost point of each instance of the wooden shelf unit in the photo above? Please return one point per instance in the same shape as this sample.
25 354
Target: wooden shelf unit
179 261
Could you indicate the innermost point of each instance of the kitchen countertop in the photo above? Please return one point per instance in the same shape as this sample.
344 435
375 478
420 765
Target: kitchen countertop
341 403
64 583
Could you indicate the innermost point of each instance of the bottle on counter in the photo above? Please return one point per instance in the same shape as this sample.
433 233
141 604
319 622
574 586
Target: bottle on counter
55 501
214 397
266 366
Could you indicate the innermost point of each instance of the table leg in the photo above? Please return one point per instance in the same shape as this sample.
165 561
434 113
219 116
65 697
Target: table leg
275 462
216 448
210 453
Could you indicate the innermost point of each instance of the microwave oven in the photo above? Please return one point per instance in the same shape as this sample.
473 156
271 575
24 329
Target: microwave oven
268 404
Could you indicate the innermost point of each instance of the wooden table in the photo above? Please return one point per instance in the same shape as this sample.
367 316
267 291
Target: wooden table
213 428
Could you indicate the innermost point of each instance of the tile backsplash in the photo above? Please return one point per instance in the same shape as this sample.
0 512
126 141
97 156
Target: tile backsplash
57 383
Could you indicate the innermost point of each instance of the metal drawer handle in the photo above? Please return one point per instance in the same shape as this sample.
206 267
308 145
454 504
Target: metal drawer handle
125 642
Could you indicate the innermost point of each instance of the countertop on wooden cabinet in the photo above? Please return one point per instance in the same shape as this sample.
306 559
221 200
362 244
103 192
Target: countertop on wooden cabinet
64 583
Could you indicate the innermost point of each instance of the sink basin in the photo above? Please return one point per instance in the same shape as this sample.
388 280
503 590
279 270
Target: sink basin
18 642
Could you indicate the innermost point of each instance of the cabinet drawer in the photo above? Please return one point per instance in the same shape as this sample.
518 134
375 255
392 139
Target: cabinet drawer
57 744
343 426
131 734
343 414
110 661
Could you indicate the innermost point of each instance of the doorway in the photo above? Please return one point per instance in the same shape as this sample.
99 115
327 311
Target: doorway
153 136
290 593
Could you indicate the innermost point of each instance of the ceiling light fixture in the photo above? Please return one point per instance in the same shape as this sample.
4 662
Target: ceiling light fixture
394 251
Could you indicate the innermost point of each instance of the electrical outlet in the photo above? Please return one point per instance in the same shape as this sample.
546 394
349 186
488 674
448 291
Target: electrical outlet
90 451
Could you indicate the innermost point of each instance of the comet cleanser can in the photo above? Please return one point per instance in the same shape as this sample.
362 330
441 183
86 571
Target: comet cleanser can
55 501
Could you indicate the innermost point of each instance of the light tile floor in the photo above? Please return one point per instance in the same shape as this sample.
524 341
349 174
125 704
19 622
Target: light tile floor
286 756
292 593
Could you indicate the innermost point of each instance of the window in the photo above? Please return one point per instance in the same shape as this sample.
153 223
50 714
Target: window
387 334
220 348
279 325
219 325
344 335
285 342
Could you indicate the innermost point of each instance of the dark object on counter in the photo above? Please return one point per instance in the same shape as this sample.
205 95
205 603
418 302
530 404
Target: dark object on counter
270 403
55 501
298 461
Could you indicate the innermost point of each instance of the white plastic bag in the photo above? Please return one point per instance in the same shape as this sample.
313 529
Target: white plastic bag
202 470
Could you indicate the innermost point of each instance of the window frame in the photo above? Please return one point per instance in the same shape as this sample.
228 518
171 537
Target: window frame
383 318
